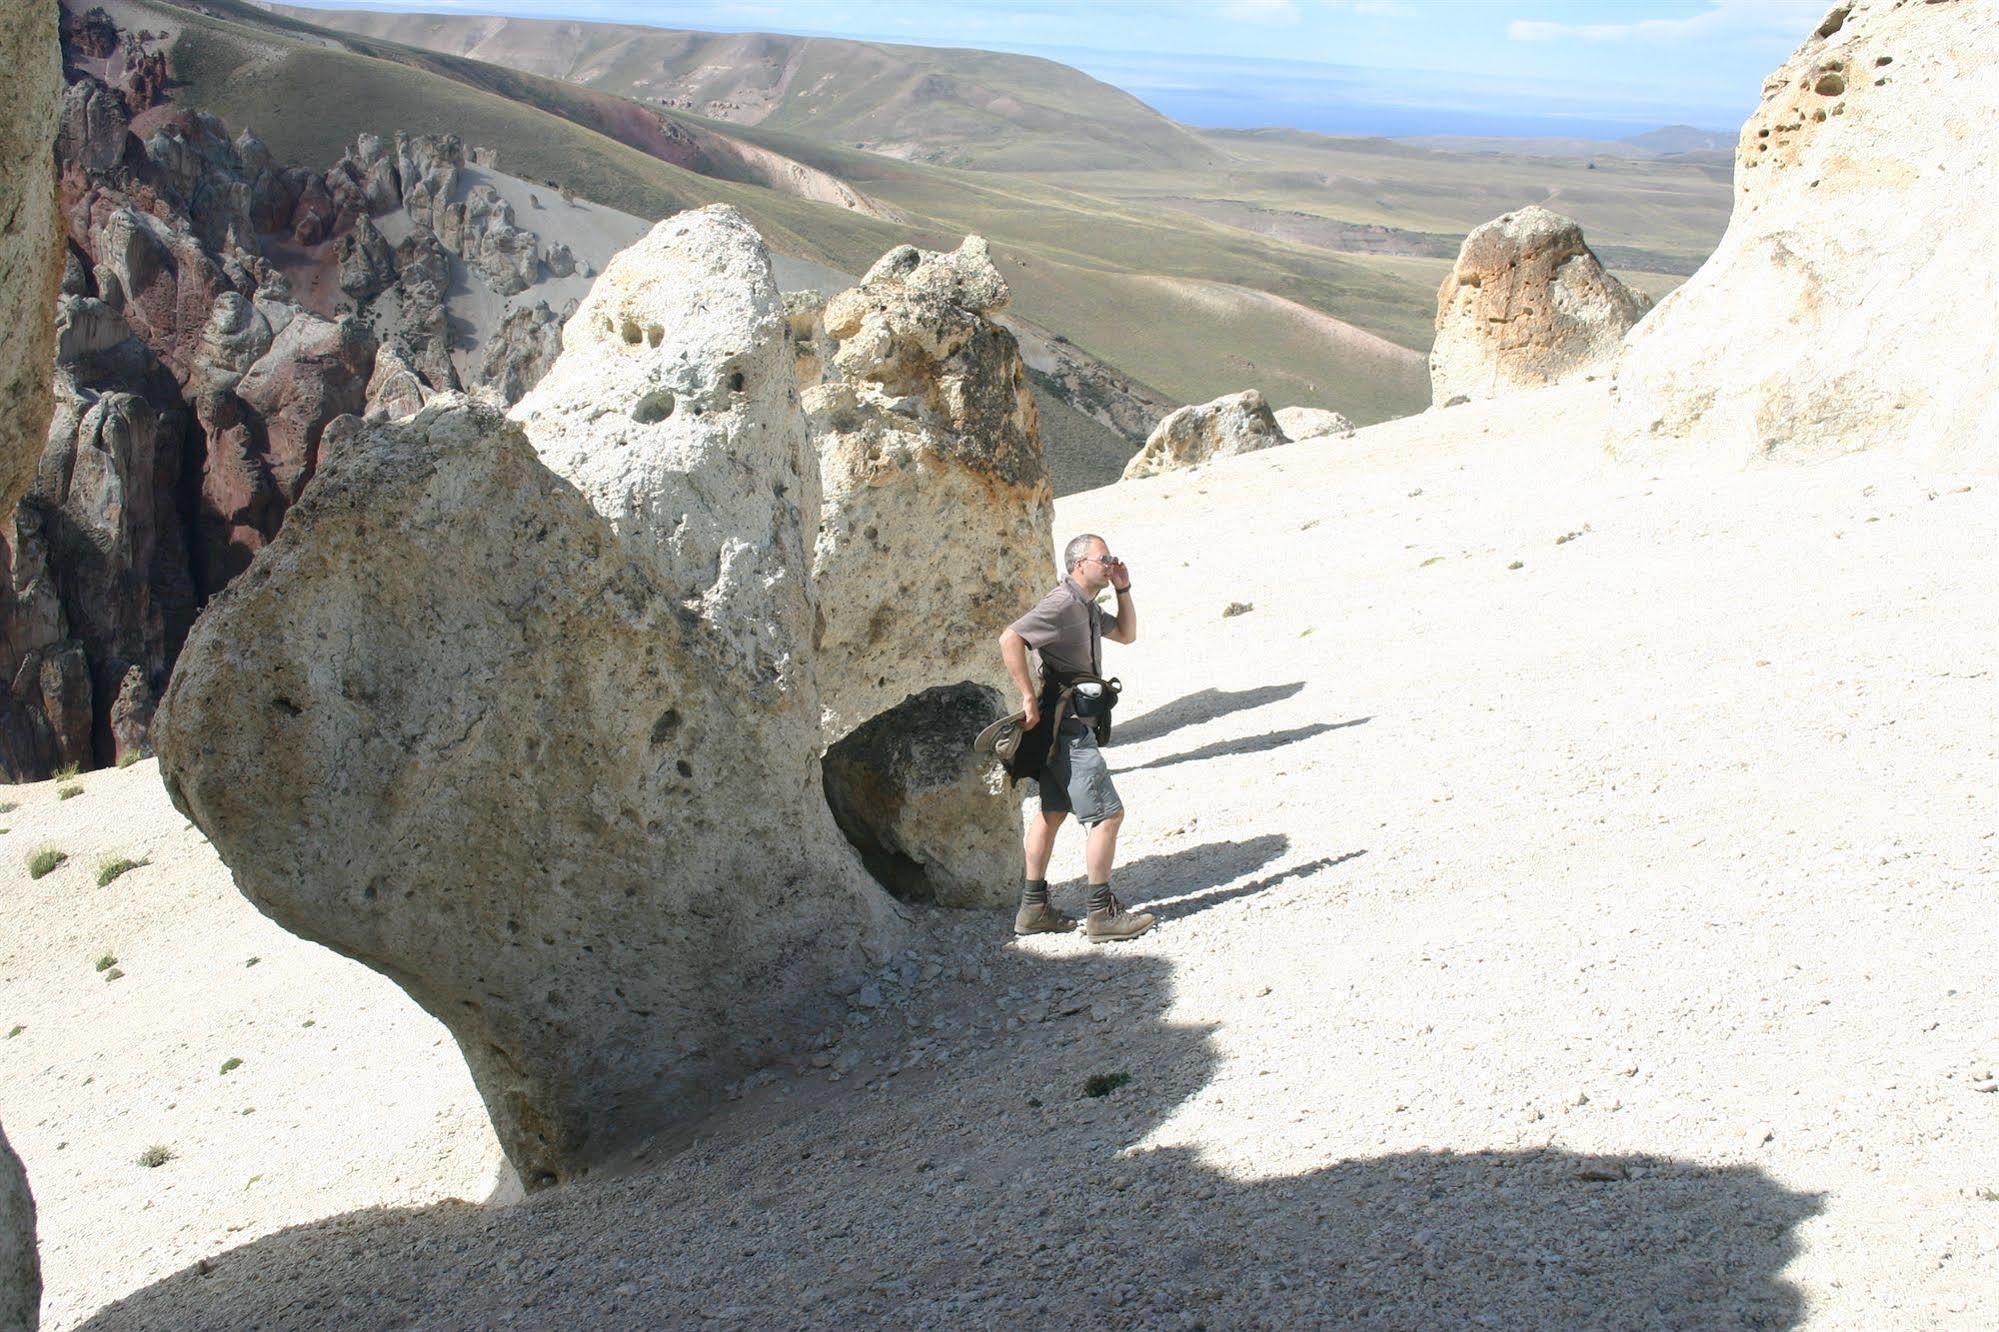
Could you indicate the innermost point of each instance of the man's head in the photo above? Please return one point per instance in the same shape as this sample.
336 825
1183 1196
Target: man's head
1088 561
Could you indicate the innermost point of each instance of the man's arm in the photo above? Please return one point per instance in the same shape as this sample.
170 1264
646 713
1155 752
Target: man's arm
1126 628
1013 651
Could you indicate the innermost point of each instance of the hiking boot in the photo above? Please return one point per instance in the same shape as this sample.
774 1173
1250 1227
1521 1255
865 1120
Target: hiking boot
1113 923
1041 918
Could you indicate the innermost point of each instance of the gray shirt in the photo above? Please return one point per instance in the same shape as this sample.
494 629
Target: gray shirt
1067 629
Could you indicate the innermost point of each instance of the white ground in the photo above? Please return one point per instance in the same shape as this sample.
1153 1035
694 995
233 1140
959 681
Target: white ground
1605 941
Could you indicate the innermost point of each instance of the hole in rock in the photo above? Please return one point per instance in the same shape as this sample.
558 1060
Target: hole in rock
668 723
736 382
653 334
629 331
1830 84
654 406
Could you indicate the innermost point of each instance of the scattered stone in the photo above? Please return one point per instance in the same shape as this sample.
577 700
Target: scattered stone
1233 424
1311 423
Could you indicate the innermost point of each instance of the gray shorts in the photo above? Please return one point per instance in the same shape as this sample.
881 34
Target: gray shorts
1075 780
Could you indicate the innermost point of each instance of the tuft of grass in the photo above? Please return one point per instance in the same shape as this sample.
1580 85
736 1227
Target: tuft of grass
106 962
129 757
112 866
16 1030
65 792
8 807
68 774
155 1156
1103 1084
45 860
1235 608
1434 559
231 1062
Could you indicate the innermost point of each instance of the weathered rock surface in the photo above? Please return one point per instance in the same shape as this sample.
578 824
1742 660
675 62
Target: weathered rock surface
933 822
367 261
464 727
935 530
672 408
1311 422
20 1266
1526 305
31 255
1231 424
1848 305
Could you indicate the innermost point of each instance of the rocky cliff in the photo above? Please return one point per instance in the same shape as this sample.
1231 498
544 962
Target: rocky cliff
1849 305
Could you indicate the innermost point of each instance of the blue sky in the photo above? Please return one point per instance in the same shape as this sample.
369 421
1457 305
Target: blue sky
1598 68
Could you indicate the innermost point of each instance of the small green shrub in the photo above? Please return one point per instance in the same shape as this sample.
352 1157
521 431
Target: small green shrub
65 792
1103 1084
231 1062
106 962
113 866
67 774
8 807
129 757
45 860
15 1031
155 1156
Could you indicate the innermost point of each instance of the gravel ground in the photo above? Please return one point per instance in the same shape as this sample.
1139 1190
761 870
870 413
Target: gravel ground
1576 891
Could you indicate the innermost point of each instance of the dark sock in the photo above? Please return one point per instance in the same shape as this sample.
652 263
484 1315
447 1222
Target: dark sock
1034 892
1100 897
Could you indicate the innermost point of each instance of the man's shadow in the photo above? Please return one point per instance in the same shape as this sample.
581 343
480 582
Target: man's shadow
1042 1159
1201 706
1248 744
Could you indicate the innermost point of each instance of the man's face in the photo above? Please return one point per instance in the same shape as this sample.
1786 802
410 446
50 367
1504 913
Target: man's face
1092 574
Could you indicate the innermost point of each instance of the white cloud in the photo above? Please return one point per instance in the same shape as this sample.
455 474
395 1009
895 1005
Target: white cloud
1790 19
1261 11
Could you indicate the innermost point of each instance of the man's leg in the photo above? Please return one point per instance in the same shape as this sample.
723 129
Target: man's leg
1040 846
1036 915
1108 920
1101 849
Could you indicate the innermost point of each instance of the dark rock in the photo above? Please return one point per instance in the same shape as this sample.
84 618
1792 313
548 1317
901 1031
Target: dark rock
932 821
521 350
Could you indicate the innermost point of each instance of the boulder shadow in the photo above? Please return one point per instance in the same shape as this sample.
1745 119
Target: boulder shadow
1249 744
1201 706
994 1170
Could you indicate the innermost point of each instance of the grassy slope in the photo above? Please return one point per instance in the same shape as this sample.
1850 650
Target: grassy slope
971 108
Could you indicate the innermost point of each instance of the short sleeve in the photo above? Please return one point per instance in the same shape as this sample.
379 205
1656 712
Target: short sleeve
1039 626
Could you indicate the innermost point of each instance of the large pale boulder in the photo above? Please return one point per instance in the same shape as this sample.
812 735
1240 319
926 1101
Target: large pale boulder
928 816
20 1265
1850 303
1232 424
938 515
31 256
463 722
1527 304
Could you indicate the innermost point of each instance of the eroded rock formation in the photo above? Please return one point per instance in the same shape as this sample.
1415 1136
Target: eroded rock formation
1526 305
1231 424
459 723
100 596
935 532
1849 304
20 1264
31 256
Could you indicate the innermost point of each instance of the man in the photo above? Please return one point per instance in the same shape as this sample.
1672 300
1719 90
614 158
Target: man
1068 628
